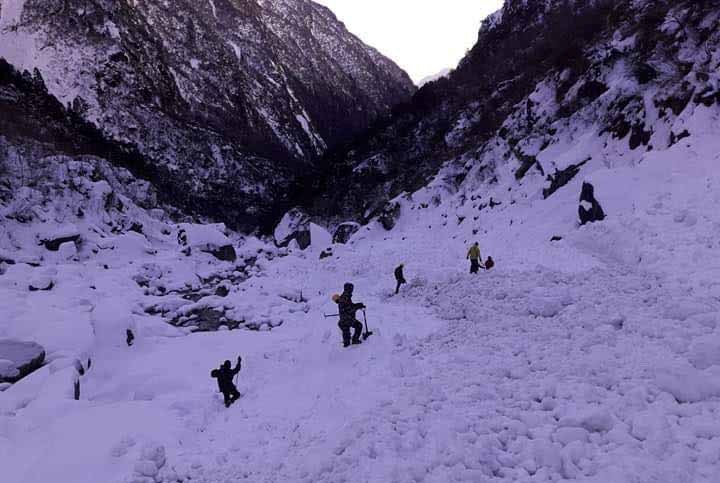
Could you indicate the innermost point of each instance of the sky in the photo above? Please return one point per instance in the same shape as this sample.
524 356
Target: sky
421 36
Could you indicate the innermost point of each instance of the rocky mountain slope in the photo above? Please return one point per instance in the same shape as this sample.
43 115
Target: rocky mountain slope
230 99
551 89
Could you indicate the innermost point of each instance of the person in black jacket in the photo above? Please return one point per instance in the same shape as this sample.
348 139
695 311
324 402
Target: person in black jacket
224 377
399 277
347 316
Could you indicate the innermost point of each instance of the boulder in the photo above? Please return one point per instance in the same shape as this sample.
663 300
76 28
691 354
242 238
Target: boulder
54 244
295 225
345 231
41 283
389 215
225 253
590 210
19 358
208 238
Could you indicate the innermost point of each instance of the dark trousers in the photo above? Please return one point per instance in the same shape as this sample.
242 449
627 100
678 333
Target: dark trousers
345 328
399 284
230 395
474 265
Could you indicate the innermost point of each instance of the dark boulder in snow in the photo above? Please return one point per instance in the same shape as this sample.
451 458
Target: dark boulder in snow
53 242
226 253
19 358
590 210
345 231
295 225
389 215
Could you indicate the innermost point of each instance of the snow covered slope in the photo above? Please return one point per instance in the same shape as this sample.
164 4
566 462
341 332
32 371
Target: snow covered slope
230 98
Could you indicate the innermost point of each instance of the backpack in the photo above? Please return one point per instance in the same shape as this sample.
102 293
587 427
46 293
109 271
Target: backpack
489 263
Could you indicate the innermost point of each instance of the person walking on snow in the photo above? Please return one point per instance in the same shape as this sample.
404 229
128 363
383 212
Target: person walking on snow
224 377
399 277
347 311
475 258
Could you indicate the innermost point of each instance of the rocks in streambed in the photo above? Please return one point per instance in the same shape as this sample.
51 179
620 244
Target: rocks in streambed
19 358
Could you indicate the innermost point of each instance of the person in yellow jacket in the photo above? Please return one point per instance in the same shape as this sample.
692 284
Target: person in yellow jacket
475 258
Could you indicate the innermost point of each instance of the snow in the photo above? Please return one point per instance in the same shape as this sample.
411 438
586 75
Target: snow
591 359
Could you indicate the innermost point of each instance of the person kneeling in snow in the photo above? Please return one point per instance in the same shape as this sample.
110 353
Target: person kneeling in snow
347 315
225 376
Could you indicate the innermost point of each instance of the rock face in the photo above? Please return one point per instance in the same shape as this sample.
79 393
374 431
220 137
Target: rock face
18 359
345 231
589 210
227 102
607 77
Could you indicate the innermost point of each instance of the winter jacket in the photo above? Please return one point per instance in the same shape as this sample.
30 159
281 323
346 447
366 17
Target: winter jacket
474 253
347 308
225 376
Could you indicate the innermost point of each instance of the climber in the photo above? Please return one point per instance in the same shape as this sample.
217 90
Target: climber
224 377
129 337
474 256
399 277
347 315
489 263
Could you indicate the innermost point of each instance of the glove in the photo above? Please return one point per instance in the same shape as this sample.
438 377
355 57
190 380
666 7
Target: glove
239 359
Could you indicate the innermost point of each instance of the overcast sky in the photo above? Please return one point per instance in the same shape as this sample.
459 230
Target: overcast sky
422 36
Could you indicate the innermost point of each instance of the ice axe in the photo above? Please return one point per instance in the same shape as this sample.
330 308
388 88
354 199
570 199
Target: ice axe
367 331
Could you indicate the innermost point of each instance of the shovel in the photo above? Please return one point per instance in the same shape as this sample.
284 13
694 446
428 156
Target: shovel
367 331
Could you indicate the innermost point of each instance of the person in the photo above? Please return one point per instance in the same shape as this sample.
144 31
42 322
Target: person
474 256
129 337
347 311
224 377
399 277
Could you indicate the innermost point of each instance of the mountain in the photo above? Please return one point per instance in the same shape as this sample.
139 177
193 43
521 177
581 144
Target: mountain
551 90
432 78
231 99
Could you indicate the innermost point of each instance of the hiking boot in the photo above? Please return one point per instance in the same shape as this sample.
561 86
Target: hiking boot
346 344
357 342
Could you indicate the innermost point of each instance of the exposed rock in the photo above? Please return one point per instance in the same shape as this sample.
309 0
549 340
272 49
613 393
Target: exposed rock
225 253
345 231
19 358
589 210
54 244
326 254
209 238
561 178
222 291
295 225
389 215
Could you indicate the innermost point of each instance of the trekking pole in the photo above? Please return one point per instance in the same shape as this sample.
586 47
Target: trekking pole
327 316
